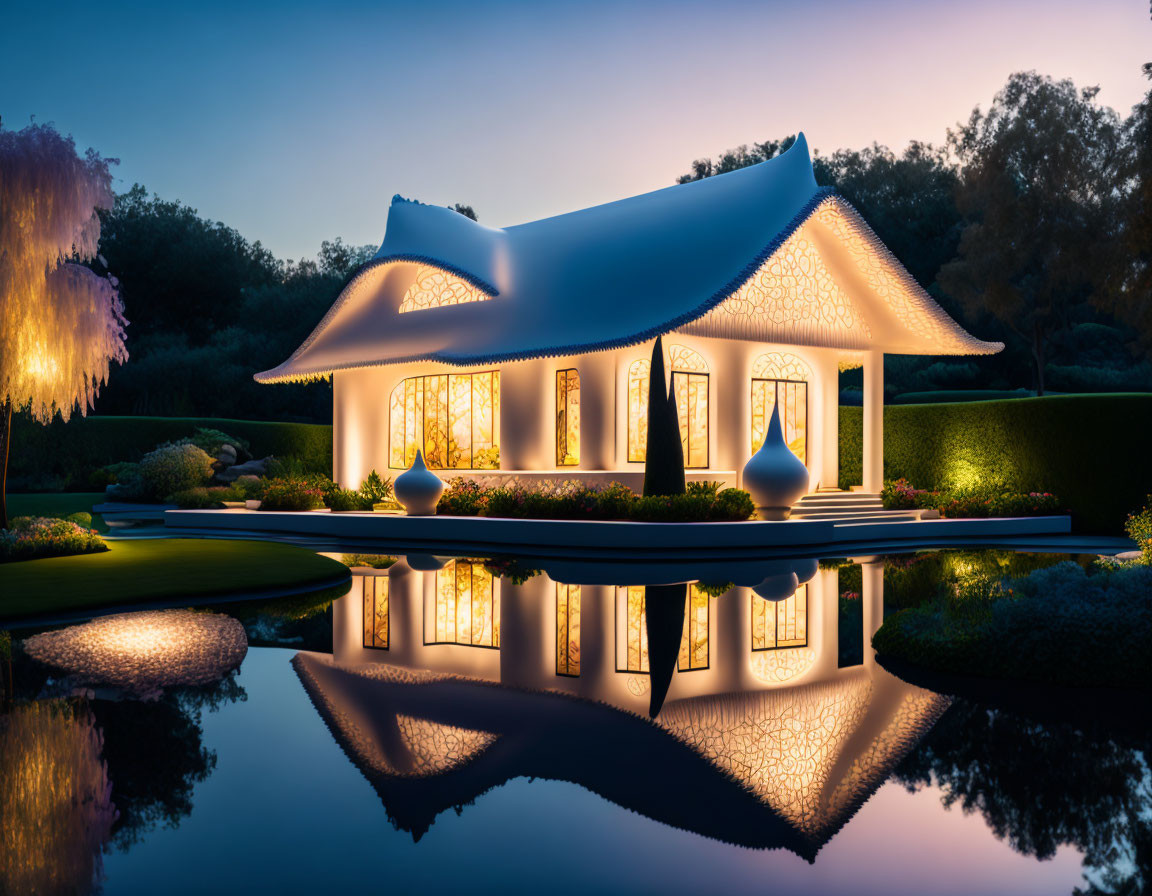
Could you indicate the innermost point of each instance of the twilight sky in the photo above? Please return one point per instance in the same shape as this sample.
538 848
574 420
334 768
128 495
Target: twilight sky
296 123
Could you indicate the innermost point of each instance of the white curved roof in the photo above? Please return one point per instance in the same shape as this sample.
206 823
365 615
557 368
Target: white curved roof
760 253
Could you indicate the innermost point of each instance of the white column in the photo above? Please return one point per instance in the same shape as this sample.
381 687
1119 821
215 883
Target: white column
874 421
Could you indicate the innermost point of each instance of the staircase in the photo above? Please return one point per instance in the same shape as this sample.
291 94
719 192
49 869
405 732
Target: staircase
832 504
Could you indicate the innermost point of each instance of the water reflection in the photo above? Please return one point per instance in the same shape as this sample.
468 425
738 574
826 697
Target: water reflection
768 740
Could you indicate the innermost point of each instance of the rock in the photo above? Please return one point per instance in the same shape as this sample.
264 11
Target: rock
251 468
226 455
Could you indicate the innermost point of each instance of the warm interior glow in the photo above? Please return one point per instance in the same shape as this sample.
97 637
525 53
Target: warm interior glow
375 611
781 623
781 378
433 288
567 418
467 606
453 418
694 643
639 372
567 630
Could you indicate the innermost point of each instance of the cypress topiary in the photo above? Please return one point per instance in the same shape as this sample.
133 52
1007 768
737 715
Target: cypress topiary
664 454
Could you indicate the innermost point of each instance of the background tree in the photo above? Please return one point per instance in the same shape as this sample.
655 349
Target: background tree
466 210
61 324
1037 173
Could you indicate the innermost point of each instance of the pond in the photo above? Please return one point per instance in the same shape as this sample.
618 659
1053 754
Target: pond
456 723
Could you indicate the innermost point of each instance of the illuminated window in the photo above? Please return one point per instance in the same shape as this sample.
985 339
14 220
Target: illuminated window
567 418
375 611
690 389
781 378
568 630
638 376
454 418
467 606
632 631
694 644
434 287
781 623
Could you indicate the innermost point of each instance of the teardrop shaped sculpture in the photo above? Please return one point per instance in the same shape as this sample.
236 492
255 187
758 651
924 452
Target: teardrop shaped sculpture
778 587
774 476
418 489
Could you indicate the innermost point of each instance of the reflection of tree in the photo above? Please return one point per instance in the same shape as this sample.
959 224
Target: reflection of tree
1041 786
156 756
55 811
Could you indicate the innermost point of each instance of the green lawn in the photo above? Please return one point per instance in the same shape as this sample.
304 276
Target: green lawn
166 570
58 504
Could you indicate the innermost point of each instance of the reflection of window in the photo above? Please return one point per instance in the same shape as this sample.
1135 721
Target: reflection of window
467 607
781 623
375 611
567 629
638 375
454 418
434 287
632 631
567 418
632 649
781 378
694 644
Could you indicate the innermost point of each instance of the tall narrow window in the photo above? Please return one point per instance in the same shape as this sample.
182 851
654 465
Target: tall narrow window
694 643
781 623
375 611
781 379
453 418
467 609
567 418
638 376
690 389
568 630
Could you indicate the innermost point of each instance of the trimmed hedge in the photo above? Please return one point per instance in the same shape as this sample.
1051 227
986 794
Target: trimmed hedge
1091 450
63 456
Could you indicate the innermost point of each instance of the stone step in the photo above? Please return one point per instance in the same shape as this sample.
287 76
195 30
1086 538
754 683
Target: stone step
807 501
883 516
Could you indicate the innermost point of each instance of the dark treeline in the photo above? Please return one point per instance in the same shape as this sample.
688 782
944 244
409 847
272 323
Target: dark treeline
1031 224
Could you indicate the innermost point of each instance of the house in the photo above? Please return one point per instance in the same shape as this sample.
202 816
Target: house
525 350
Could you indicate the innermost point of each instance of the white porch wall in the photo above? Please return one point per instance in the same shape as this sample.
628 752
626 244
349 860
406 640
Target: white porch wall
528 412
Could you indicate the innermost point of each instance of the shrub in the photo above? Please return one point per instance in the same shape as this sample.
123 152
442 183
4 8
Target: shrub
174 468
343 499
212 440
81 518
462 497
664 452
203 498
1023 445
375 489
291 494
31 538
733 505
1139 529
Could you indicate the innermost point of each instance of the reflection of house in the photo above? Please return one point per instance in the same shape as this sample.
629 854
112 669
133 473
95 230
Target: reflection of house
763 740
526 349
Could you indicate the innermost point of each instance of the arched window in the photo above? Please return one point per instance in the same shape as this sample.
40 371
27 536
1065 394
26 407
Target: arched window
782 623
781 378
453 418
690 388
433 287
638 375
567 418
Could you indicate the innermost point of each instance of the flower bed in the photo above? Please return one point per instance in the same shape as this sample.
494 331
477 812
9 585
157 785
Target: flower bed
968 503
33 537
573 500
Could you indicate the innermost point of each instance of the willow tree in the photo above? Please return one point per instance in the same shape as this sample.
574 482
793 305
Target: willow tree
61 324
